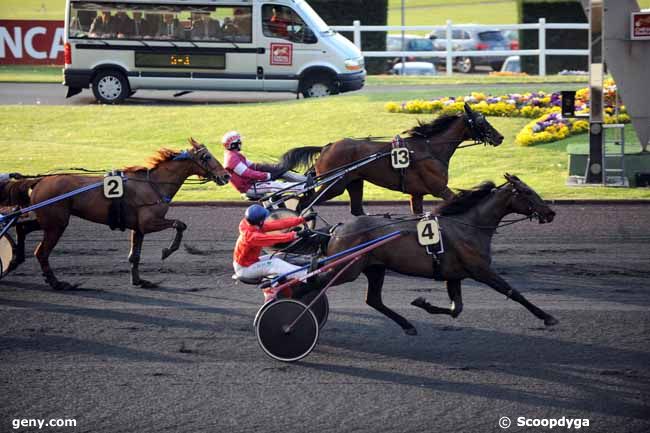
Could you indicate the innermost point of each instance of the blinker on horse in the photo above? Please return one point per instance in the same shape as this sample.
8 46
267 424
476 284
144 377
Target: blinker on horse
148 192
431 145
467 224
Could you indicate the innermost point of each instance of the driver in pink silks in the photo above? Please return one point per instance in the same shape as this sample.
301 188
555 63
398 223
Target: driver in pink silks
253 235
248 177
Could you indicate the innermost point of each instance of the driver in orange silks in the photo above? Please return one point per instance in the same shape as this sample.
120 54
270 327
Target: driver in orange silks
253 236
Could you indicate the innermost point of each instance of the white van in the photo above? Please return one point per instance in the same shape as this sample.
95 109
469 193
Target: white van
117 47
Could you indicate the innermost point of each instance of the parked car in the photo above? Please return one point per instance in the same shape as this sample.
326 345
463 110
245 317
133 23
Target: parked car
414 68
512 64
512 36
472 40
411 43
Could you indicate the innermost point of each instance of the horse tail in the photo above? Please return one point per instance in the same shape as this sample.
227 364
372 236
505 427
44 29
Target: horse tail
300 157
16 192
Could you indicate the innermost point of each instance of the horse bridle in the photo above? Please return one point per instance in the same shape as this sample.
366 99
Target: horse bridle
531 206
203 155
478 134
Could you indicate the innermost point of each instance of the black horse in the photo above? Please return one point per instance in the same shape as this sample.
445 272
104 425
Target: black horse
467 224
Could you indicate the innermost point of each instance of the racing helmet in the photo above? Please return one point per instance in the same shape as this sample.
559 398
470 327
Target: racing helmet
231 140
256 214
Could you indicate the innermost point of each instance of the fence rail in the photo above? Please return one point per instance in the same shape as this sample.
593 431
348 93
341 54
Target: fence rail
449 53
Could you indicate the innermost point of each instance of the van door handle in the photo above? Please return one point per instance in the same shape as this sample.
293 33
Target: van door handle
260 72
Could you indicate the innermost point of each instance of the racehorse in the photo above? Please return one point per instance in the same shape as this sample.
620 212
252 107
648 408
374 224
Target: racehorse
431 145
467 224
148 191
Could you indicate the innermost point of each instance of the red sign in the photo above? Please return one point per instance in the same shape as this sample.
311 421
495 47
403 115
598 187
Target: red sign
31 42
281 54
640 25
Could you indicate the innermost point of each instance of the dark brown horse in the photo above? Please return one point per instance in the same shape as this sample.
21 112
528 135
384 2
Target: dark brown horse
148 191
431 144
467 225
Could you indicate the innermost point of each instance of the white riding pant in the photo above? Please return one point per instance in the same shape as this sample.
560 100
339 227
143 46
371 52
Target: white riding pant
292 180
267 266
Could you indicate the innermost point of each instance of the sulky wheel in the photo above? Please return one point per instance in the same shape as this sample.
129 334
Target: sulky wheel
7 248
321 308
273 333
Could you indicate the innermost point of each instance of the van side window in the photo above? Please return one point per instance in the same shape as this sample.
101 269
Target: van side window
282 22
97 20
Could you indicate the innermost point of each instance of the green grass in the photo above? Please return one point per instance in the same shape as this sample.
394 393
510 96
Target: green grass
437 12
35 139
31 74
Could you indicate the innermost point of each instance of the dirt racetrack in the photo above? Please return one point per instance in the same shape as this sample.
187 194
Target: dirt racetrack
183 357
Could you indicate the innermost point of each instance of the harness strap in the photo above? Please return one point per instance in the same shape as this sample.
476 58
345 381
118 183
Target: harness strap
397 143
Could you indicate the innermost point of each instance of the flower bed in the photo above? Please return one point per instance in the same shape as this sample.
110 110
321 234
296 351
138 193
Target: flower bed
548 125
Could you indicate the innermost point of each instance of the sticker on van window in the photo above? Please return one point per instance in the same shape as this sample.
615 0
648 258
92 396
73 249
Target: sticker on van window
282 54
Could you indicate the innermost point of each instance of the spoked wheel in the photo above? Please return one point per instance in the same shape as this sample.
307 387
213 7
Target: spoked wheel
277 340
321 308
7 248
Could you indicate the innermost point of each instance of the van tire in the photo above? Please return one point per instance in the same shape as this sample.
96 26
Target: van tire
110 87
317 86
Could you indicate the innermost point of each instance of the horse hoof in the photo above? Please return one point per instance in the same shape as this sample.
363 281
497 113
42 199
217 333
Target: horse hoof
147 284
62 286
411 331
419 302
166 253
550 321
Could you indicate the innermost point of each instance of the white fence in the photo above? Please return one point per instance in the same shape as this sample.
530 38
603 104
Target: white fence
542 26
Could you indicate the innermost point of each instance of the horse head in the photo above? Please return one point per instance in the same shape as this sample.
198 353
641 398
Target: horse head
480 129
208 166
525 201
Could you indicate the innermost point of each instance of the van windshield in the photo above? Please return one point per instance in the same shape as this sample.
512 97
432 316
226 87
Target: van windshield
314 19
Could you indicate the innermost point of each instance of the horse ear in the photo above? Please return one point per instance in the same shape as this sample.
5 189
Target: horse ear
193 142
468 110
508 176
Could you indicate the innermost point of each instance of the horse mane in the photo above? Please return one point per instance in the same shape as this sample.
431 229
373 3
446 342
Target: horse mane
163 154
429 129
466 199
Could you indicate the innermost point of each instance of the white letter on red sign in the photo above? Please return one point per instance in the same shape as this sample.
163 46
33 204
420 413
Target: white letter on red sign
57 43
29 47
15 45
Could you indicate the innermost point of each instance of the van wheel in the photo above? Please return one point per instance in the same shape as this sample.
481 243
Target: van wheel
318 86
110 87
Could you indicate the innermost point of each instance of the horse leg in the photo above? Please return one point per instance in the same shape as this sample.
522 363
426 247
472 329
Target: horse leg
447 194
490 278
375 275
334 191
51 236
180 227
456 307
355 190
416 204
134 259
22 230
